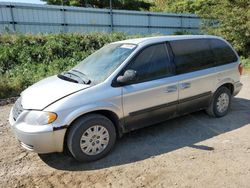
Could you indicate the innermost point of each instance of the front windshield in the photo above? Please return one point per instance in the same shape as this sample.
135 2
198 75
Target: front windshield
98 66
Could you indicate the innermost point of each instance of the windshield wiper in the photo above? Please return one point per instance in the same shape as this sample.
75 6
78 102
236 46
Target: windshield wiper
87 80
63 77
78 71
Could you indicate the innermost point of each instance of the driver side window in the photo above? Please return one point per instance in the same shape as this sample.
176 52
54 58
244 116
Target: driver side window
152 63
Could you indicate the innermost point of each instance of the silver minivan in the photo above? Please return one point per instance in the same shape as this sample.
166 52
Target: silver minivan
124 86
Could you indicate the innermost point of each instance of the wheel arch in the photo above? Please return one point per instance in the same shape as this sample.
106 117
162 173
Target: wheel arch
228 85
210 109
107 113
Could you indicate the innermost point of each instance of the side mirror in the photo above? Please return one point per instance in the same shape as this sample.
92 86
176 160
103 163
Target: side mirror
128 76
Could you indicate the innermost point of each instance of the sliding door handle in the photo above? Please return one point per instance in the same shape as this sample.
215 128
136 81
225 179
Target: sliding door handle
171 89
185 85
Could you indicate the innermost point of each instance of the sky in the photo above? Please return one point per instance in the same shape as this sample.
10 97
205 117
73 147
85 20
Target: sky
24 1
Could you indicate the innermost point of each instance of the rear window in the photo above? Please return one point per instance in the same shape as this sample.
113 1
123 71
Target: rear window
223 53
192 55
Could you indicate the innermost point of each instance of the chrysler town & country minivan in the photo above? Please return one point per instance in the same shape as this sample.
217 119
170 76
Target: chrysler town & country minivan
124 86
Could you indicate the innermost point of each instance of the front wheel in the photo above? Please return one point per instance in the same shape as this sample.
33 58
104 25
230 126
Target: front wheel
220 103
91 137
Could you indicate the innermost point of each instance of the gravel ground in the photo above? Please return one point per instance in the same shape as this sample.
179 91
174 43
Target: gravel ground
191 151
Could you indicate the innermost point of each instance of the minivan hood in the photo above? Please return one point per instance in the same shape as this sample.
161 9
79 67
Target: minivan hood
47 91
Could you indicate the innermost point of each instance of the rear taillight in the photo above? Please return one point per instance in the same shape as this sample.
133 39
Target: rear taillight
240 68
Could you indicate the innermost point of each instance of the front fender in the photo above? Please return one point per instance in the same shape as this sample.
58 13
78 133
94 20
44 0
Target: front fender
74 114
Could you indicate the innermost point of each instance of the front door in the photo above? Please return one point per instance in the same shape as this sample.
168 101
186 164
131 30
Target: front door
153 96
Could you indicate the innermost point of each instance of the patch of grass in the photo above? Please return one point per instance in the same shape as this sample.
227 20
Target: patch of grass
26 59
246 62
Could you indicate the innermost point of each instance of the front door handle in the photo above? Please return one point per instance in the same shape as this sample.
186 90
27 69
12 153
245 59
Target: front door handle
171 89
185 85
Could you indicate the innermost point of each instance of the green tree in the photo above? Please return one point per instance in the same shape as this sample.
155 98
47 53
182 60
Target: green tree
117 4
227 18
233 22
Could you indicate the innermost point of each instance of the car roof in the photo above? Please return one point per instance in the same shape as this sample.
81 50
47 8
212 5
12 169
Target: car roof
148 40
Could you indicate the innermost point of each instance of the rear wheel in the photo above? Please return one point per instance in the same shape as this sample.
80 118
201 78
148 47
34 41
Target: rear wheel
220 103
91 137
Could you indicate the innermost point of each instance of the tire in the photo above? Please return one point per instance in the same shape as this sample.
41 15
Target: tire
214 109
92 131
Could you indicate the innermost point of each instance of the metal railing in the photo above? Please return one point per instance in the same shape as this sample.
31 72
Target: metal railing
33 18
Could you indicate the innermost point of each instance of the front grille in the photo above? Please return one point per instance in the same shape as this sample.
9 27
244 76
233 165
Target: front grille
17 109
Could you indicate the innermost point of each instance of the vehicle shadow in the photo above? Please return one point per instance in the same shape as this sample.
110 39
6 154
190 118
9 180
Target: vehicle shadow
159 139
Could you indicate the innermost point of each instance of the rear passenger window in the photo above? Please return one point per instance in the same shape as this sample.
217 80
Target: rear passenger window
222 52
152 63
192 55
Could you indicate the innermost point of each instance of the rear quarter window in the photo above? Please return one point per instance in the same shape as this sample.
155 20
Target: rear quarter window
223 53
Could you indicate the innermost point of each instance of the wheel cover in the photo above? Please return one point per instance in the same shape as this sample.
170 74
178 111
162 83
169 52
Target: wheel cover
94 140
222 102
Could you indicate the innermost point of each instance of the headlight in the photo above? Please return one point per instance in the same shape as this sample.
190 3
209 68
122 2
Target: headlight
40 118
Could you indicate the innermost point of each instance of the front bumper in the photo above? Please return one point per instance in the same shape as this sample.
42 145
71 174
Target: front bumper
40 139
